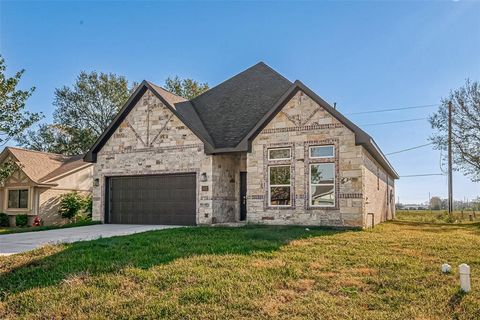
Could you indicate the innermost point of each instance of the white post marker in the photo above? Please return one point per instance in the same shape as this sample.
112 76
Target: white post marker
464 271
446 268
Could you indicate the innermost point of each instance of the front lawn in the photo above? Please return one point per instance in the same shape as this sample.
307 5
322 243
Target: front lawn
390 272
7 230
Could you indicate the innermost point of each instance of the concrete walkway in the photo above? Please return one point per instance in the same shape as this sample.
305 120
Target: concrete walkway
21 242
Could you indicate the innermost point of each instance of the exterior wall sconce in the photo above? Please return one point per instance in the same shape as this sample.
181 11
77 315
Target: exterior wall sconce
203 177
96 182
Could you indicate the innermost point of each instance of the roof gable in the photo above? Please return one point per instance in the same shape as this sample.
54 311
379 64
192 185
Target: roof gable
42 166
361 137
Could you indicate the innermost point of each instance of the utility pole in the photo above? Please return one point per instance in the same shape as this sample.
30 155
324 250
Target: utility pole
450 189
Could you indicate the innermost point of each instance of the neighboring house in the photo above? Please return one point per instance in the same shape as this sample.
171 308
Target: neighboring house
41 178
255 148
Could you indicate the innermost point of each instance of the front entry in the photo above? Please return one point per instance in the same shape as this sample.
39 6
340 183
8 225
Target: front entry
243 196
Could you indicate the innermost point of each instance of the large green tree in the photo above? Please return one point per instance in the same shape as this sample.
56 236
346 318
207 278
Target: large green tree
187 88
82 113
465 128
14 119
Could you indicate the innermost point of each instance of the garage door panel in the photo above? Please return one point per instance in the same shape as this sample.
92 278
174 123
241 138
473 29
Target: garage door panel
154 199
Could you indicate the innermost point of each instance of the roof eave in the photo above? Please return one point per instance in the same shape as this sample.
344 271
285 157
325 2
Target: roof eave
67 173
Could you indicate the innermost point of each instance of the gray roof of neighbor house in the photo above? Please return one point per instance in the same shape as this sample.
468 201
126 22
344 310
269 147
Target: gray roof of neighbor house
41 167
230 115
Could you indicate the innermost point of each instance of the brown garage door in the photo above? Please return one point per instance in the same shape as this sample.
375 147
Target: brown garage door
153 199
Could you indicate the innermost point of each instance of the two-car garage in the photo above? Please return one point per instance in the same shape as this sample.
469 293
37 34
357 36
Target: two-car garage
153 199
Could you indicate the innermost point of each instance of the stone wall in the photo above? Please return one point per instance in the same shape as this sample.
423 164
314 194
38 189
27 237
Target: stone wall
152 140
226 188
379 192
300 124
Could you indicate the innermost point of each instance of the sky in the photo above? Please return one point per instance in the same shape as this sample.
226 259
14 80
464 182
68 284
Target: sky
362 55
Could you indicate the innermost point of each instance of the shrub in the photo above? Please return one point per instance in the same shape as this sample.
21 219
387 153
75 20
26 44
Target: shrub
71 204
21 220
4 220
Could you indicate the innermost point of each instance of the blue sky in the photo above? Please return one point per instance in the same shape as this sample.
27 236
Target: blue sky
361 55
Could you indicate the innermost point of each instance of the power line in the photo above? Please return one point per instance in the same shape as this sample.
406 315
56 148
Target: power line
413 148
422 175
390 122
392 109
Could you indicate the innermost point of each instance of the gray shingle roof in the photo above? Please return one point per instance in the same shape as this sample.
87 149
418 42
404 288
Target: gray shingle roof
231 109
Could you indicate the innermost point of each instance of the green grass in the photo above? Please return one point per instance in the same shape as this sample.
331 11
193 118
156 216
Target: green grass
6 230
436 216
390 272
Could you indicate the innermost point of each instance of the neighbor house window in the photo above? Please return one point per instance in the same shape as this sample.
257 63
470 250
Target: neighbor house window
318 152
322 184
279 185
279 154
18 199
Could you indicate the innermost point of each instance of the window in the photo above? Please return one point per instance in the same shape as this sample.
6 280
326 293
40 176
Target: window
322 152
279 185
18 199
322 184
279 154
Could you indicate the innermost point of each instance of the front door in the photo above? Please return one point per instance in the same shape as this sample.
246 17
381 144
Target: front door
243 196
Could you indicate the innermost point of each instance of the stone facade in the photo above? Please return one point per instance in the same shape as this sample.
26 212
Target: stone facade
379 190
152 140
300 124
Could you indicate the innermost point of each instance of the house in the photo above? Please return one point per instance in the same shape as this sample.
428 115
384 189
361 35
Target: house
41 178
256 148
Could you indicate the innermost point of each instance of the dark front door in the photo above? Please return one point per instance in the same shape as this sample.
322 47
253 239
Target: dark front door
243 196
152 199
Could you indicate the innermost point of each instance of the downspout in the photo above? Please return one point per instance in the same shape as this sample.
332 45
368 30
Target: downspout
373 219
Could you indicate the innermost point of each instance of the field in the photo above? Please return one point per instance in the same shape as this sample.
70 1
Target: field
390 272
437 216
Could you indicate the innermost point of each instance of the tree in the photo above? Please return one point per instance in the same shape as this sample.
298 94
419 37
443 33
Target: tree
57 138
465 128
435 203
14 120
187 88
6 169
82 113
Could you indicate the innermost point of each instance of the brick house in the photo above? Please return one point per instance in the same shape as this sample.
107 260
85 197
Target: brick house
41 179
255 148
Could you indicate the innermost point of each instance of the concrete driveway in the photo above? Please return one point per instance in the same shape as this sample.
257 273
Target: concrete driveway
21 242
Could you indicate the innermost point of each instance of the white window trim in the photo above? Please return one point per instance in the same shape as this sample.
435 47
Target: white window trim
277 159
325 157
321 184
270 186
29 200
